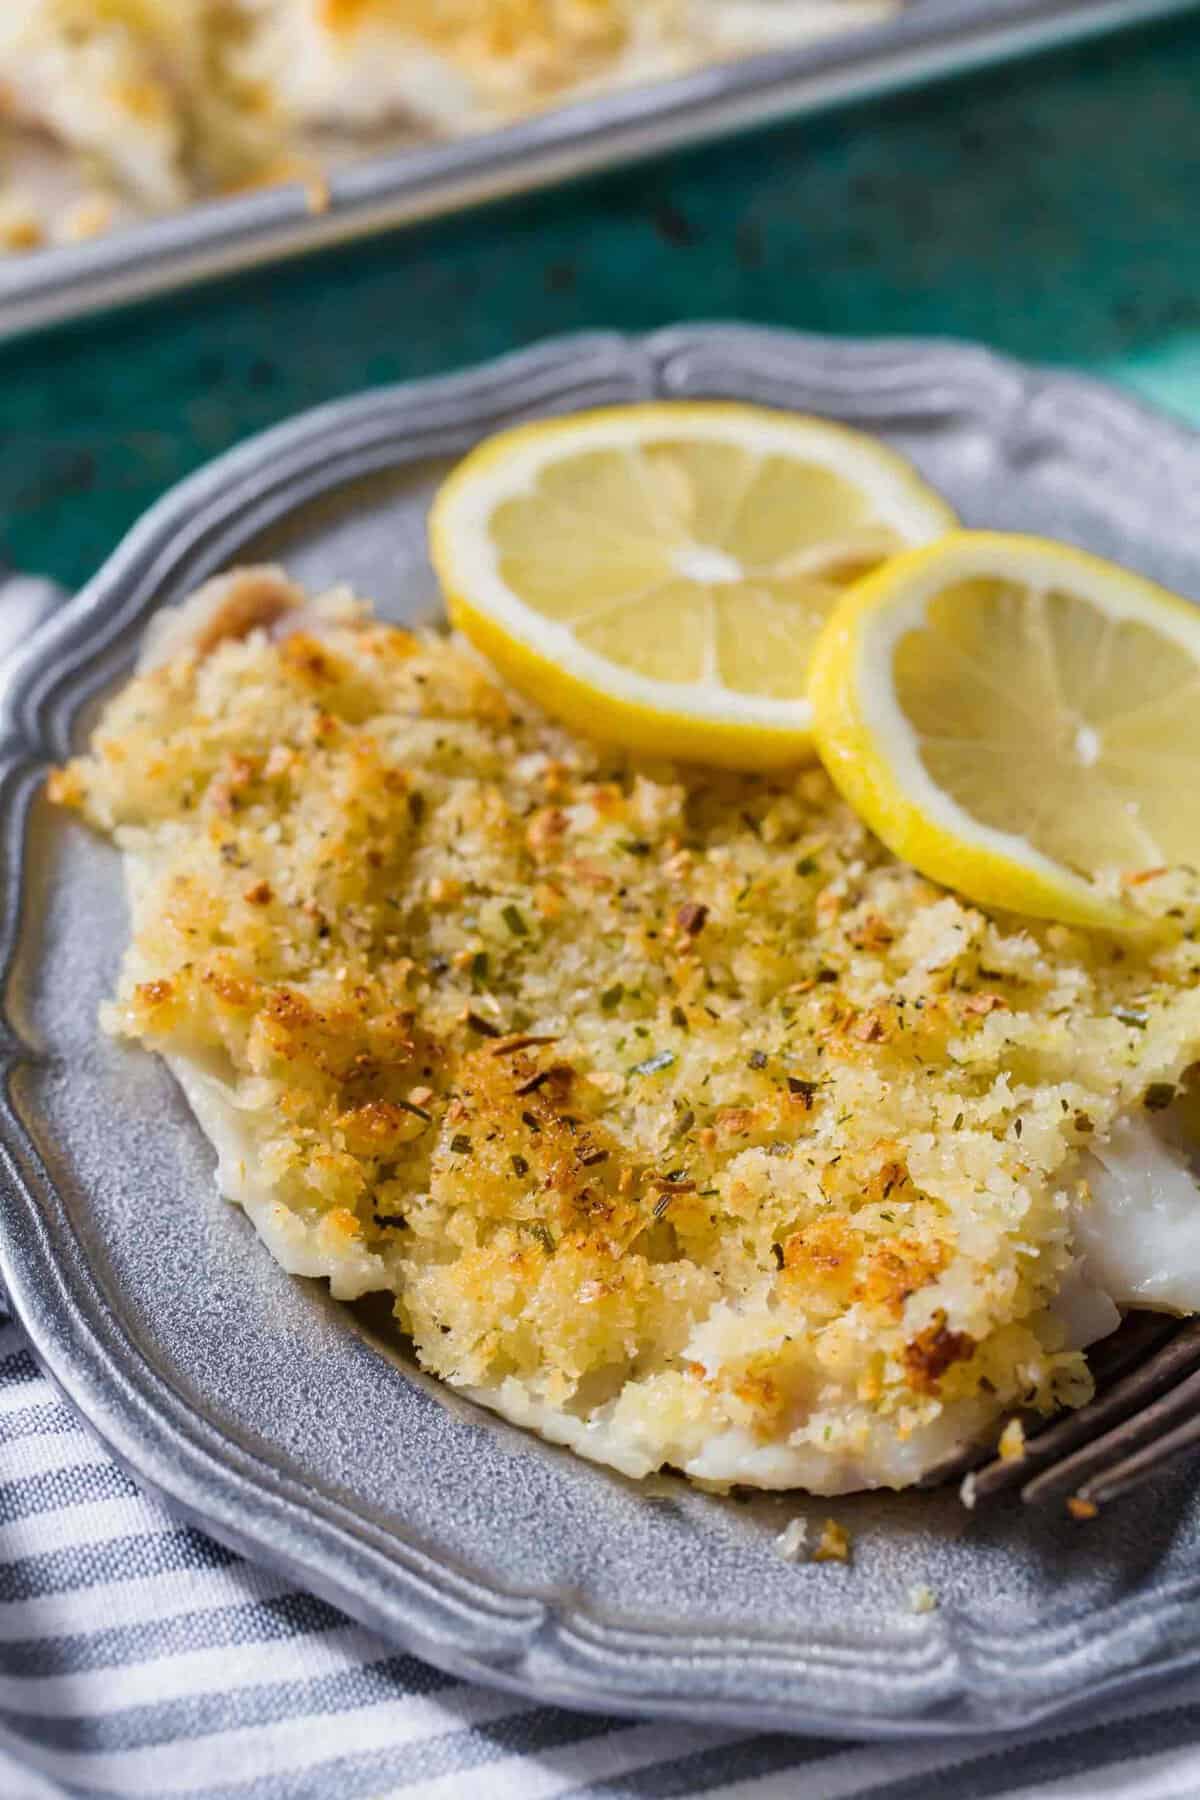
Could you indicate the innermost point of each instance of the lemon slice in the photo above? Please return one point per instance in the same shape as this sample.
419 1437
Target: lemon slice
1018 720
657 575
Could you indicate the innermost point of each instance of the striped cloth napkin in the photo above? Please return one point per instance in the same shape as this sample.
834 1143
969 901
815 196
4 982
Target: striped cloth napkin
140 1660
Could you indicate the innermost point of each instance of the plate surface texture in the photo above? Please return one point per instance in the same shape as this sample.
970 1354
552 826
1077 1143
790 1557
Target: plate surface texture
249 1399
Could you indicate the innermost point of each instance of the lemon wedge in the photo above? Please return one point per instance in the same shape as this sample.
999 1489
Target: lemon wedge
657 575
1018 720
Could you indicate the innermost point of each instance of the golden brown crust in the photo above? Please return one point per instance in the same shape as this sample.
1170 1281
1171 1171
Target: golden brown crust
653 1090
932 1352
254 600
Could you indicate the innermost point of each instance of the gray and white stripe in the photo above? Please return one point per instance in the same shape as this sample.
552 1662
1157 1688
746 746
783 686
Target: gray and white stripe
141 1661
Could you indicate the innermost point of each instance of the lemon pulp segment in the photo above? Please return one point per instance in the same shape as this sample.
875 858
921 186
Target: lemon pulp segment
661 573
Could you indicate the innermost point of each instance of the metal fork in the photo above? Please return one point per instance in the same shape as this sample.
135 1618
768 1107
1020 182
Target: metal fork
1145 1415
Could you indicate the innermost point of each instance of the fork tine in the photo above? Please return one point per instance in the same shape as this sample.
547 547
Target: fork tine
1132 1470
1144 1428
1136 1337
1162 1370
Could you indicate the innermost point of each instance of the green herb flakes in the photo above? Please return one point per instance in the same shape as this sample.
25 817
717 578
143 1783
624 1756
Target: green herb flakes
683 1125
483 1026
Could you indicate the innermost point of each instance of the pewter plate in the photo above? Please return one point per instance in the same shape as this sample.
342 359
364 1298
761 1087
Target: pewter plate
925 40
260 1409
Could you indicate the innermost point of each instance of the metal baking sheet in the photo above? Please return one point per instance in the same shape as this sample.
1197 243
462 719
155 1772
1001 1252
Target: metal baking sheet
249 1400
926 39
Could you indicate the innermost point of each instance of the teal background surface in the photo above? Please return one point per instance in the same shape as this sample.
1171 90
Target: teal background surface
1050 209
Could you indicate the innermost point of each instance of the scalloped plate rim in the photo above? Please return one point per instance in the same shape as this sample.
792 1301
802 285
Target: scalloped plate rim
466 1624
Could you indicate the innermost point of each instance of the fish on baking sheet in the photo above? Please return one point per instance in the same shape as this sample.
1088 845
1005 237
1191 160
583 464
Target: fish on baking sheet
160 102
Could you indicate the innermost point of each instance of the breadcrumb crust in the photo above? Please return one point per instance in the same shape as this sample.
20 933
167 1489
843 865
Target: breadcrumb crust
665 1101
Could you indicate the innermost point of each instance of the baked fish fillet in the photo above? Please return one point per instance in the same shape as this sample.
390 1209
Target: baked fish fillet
685 1125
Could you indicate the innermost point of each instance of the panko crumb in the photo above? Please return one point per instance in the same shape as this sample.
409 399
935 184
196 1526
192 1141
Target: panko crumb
1011 1446
90 216
21 226
792 1539
833 1544
921 1598
318 196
